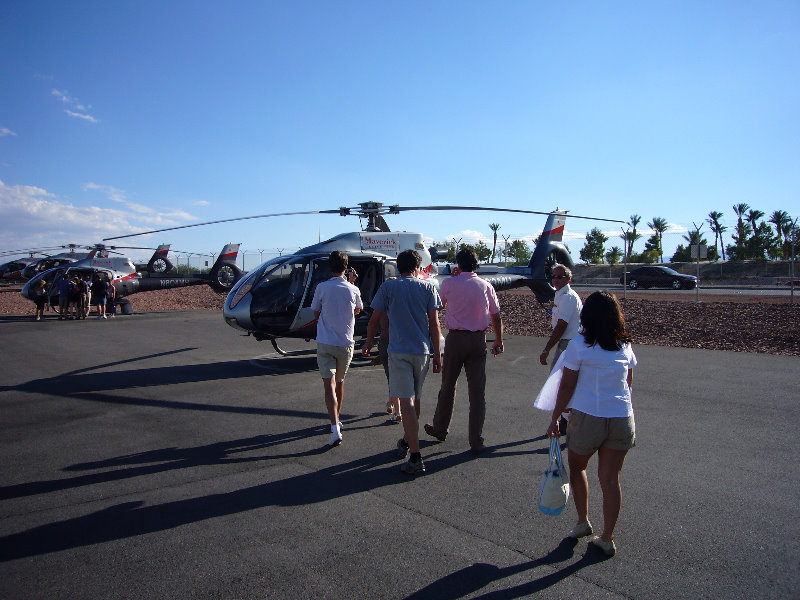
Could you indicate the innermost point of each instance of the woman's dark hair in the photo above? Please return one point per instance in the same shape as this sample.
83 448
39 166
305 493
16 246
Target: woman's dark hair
408 261
603 323
467 260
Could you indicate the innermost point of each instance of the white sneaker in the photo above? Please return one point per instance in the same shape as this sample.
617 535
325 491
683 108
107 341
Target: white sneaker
104 317
336 438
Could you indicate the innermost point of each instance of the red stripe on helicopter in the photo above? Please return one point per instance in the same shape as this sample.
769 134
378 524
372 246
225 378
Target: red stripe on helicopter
229 254
552 231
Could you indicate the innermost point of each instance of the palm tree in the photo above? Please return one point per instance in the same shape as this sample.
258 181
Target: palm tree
788 236
741 230
740 210
632 236
494 227
779 219
753 216
613 255
659 225
713 220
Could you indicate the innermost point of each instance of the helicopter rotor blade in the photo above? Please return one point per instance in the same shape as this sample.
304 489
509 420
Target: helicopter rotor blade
364 209
29 250
286 214
511 210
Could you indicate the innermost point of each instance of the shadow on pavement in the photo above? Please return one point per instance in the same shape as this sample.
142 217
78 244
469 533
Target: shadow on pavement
169 459
471 579
134 518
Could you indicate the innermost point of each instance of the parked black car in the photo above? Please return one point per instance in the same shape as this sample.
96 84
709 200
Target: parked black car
657 276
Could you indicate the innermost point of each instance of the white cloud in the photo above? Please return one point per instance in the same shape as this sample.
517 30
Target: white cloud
468 236
34 217
60 95
89 118
144 214
4 131
75 105
201 203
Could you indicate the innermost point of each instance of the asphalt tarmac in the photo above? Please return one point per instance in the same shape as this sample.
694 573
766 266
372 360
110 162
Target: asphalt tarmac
163 455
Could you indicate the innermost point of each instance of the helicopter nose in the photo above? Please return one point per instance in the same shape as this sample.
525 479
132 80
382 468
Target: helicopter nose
238 317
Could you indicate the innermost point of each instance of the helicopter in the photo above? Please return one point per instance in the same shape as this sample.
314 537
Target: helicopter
158 263
56 260
273 301
12 269
127 280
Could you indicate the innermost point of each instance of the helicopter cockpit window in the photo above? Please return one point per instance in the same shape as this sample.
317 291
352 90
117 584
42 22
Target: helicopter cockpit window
277 296
293 277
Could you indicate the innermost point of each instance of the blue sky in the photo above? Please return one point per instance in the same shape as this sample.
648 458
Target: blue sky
118 117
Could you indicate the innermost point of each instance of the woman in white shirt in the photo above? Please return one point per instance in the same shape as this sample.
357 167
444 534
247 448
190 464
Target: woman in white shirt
596 389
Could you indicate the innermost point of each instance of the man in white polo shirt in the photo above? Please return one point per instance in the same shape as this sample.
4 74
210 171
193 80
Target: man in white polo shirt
566 319
336 303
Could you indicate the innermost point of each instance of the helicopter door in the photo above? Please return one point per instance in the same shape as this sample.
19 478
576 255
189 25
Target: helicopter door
320 271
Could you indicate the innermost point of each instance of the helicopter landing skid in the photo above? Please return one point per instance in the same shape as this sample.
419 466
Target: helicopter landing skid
283 352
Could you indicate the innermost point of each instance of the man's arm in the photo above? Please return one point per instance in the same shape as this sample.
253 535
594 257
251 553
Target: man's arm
436 337
497 325
372 329
558 331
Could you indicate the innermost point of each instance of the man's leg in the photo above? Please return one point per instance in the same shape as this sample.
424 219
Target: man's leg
330 400
410 423
339 396
475 369
451 369
344 357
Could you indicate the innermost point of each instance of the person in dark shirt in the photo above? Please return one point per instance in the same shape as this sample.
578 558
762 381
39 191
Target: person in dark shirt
99 292
64 288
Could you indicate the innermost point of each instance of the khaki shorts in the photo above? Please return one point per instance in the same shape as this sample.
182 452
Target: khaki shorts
334 360
585 433
407 374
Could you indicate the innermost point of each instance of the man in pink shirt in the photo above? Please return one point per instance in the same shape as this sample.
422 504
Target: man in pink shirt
471 305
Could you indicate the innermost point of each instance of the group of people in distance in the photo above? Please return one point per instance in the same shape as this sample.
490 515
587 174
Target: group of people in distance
594 359
76 296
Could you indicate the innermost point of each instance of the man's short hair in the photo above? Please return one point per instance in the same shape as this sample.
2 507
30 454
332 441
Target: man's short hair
566 269
467 259
408 261
338 261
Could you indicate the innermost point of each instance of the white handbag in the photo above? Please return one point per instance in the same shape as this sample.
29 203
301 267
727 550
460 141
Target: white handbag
554 488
